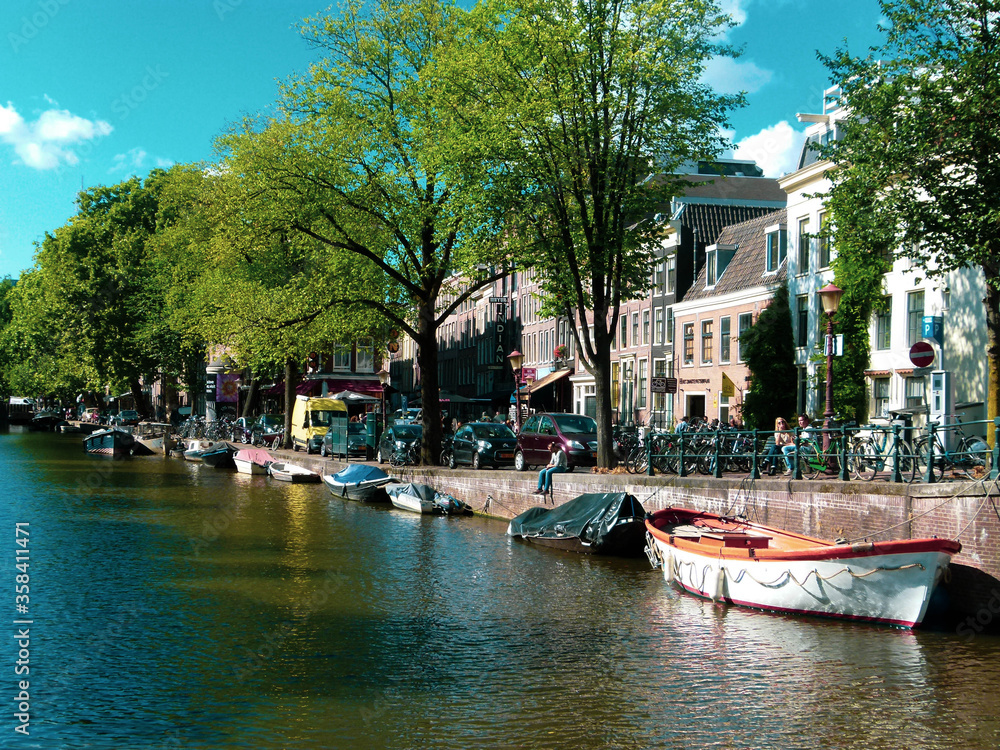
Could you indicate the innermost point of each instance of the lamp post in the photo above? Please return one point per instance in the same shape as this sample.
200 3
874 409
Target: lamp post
516 360
830 297
383 379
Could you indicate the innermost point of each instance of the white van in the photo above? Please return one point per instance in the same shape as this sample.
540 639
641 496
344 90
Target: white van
311 418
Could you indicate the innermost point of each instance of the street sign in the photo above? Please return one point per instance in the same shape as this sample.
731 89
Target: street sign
498 300
932 327
921 354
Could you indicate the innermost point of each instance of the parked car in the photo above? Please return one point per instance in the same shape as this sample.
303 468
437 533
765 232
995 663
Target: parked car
397 437
406 415
576 433
126 417
266 427
482 443
357 441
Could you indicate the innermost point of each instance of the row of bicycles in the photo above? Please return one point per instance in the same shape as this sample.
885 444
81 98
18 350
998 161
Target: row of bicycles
862 453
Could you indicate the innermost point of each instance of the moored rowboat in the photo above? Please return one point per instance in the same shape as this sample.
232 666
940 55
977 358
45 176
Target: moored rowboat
743 563
292 473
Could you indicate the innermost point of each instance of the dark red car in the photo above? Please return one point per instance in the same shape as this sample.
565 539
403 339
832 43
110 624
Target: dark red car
576 433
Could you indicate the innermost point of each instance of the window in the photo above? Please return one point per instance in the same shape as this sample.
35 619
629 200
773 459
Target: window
914 392
802 395
635 329
659 371
710 269
643 378
824 241
724 339
660 278
880 396
883 327
706 341
802 320
616 370
914 317
658 337
623 331
777 247
645 327
342 358
805 245
366 356
670 325
689 343
745 323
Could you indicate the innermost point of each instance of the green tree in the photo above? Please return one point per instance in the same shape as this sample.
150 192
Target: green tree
581 103
768 348
917 169
367 182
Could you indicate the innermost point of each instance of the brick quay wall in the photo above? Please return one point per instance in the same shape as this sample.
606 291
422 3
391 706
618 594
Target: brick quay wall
826 508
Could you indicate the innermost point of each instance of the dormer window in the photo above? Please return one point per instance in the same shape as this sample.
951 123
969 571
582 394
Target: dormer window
716 261
777 247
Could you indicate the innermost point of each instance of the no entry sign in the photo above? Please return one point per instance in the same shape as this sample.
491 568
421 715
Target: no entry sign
922 354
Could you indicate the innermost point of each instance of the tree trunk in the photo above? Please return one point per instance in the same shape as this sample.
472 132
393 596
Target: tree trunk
992 302
139 398
291 375
430 392
251 401
170 396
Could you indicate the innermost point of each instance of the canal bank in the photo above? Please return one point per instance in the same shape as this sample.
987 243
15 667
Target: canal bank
825 508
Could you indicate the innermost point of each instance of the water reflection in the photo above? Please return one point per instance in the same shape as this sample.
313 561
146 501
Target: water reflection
179 605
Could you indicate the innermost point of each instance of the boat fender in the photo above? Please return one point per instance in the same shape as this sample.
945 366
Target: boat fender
862 547
668 566
720 581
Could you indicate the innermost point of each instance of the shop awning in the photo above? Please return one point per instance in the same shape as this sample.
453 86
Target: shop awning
548 380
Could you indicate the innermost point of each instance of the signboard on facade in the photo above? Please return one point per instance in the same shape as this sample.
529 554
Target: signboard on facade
528 374
658 385
933 328
671 385
728 386
498 300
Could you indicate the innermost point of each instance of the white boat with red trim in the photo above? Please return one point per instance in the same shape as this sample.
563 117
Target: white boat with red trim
739 562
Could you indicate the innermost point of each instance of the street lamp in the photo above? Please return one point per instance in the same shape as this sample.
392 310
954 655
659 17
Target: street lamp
830 297
516 360
383 379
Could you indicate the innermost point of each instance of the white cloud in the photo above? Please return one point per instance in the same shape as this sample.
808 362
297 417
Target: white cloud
135 161
775 149
729 76
45 143
735 9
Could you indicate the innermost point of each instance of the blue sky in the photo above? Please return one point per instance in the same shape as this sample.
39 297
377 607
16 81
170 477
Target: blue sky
94 91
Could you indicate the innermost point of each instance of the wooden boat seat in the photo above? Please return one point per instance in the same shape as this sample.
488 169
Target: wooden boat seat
735 539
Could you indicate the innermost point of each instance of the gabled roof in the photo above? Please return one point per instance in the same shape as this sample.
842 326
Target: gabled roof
746 269
709 220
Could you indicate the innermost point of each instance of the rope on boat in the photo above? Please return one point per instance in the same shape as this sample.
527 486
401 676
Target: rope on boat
787 575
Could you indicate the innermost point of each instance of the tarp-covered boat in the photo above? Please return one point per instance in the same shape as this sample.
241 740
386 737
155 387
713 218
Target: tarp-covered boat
220 456
422 498
358 482
739 562
607 523
252 461
113 442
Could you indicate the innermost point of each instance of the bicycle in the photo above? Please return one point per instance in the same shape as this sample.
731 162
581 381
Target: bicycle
870 455
408 456
973 458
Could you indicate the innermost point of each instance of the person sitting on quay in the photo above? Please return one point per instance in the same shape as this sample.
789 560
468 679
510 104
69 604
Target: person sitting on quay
782 439
789 450
558 464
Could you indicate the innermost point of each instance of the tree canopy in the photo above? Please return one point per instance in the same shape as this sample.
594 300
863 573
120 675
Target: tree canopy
918 164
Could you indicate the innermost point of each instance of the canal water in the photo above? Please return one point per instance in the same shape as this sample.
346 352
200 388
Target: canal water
177 606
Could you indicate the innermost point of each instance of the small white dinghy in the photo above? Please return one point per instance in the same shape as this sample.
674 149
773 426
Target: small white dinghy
252 461
292 473
422 498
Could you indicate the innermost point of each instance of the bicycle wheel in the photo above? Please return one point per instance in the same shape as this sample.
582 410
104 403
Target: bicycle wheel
866 460
904 458
810 461
920 455
705 459
974 458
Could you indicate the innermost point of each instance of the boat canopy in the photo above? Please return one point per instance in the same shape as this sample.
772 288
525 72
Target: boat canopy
420 491
590 517
358 473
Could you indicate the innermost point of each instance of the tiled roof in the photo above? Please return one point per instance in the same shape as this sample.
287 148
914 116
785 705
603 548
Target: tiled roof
746 269
709 220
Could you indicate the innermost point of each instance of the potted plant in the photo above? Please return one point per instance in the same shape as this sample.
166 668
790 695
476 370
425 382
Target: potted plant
560 351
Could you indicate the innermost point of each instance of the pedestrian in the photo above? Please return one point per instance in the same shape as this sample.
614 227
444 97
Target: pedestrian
782 439
557 465
682 426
